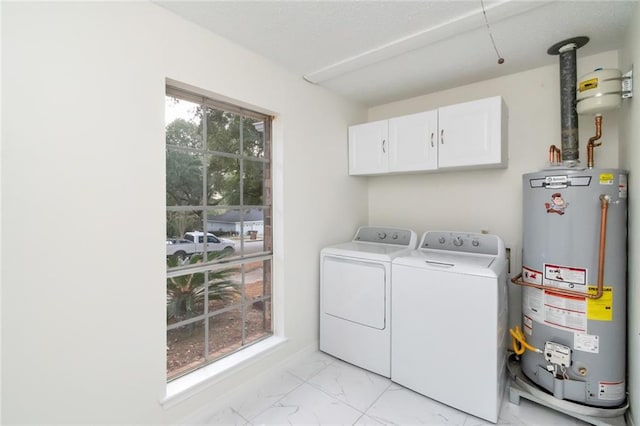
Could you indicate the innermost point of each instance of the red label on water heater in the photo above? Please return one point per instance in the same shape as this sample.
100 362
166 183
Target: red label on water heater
622 186
531 276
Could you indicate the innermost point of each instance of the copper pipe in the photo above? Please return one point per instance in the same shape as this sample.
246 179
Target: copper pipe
555 155
592 141
604 207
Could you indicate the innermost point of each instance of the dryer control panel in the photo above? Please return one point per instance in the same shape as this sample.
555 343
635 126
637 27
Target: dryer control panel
461 242
396 236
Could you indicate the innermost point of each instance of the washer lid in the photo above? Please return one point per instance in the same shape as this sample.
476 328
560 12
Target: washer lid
454 259
460 263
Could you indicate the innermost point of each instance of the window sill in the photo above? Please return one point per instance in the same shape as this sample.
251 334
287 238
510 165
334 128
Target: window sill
184 387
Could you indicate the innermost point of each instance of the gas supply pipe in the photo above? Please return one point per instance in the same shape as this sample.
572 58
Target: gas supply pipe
519 343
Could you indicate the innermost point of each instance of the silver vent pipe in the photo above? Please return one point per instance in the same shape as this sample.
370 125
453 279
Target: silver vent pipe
568 115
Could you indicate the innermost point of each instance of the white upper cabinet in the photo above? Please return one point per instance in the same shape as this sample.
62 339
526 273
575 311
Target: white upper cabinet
467 135
471 134
369 148
402 144
413 142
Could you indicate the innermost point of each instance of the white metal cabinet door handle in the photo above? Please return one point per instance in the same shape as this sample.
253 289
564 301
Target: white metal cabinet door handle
383 149
442 136
431 139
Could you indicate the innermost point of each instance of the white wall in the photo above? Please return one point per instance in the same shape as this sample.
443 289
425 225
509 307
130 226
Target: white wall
83 317
630 160
0 214
490 199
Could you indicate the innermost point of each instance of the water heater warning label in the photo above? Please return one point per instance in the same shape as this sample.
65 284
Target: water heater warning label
565 277
556 310
586 343
531 276
622 186
565 312
606 179
600 309
611 390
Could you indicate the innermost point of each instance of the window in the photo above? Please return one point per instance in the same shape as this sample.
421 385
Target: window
218 186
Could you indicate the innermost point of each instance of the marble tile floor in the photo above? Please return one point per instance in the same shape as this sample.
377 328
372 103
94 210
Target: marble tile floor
322 390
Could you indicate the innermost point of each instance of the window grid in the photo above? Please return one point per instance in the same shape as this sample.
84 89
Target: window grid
208 268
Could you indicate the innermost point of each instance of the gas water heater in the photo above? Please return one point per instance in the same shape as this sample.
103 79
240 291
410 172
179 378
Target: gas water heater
573 337
574 253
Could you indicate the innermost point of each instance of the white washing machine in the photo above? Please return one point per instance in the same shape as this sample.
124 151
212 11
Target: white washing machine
449 321
355 286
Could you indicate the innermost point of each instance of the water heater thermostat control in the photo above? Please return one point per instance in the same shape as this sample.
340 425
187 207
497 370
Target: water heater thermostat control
556 353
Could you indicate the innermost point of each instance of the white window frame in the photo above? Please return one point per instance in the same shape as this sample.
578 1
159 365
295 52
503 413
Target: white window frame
211 372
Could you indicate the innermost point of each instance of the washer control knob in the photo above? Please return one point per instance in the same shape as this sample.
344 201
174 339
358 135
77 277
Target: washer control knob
475 243
382 235
441 240
457 241
394 236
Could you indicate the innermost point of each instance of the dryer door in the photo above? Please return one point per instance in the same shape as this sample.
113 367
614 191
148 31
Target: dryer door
355 290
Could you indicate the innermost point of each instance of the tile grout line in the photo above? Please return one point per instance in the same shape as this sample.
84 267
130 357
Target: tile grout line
303 381
362 412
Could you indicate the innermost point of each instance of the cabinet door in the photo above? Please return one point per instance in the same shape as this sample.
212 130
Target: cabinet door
413 144
369 148
471 134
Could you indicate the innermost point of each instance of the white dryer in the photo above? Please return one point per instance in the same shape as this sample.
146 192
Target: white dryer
355 286
449 321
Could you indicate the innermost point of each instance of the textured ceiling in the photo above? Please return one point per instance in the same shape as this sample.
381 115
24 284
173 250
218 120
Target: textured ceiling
375 52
